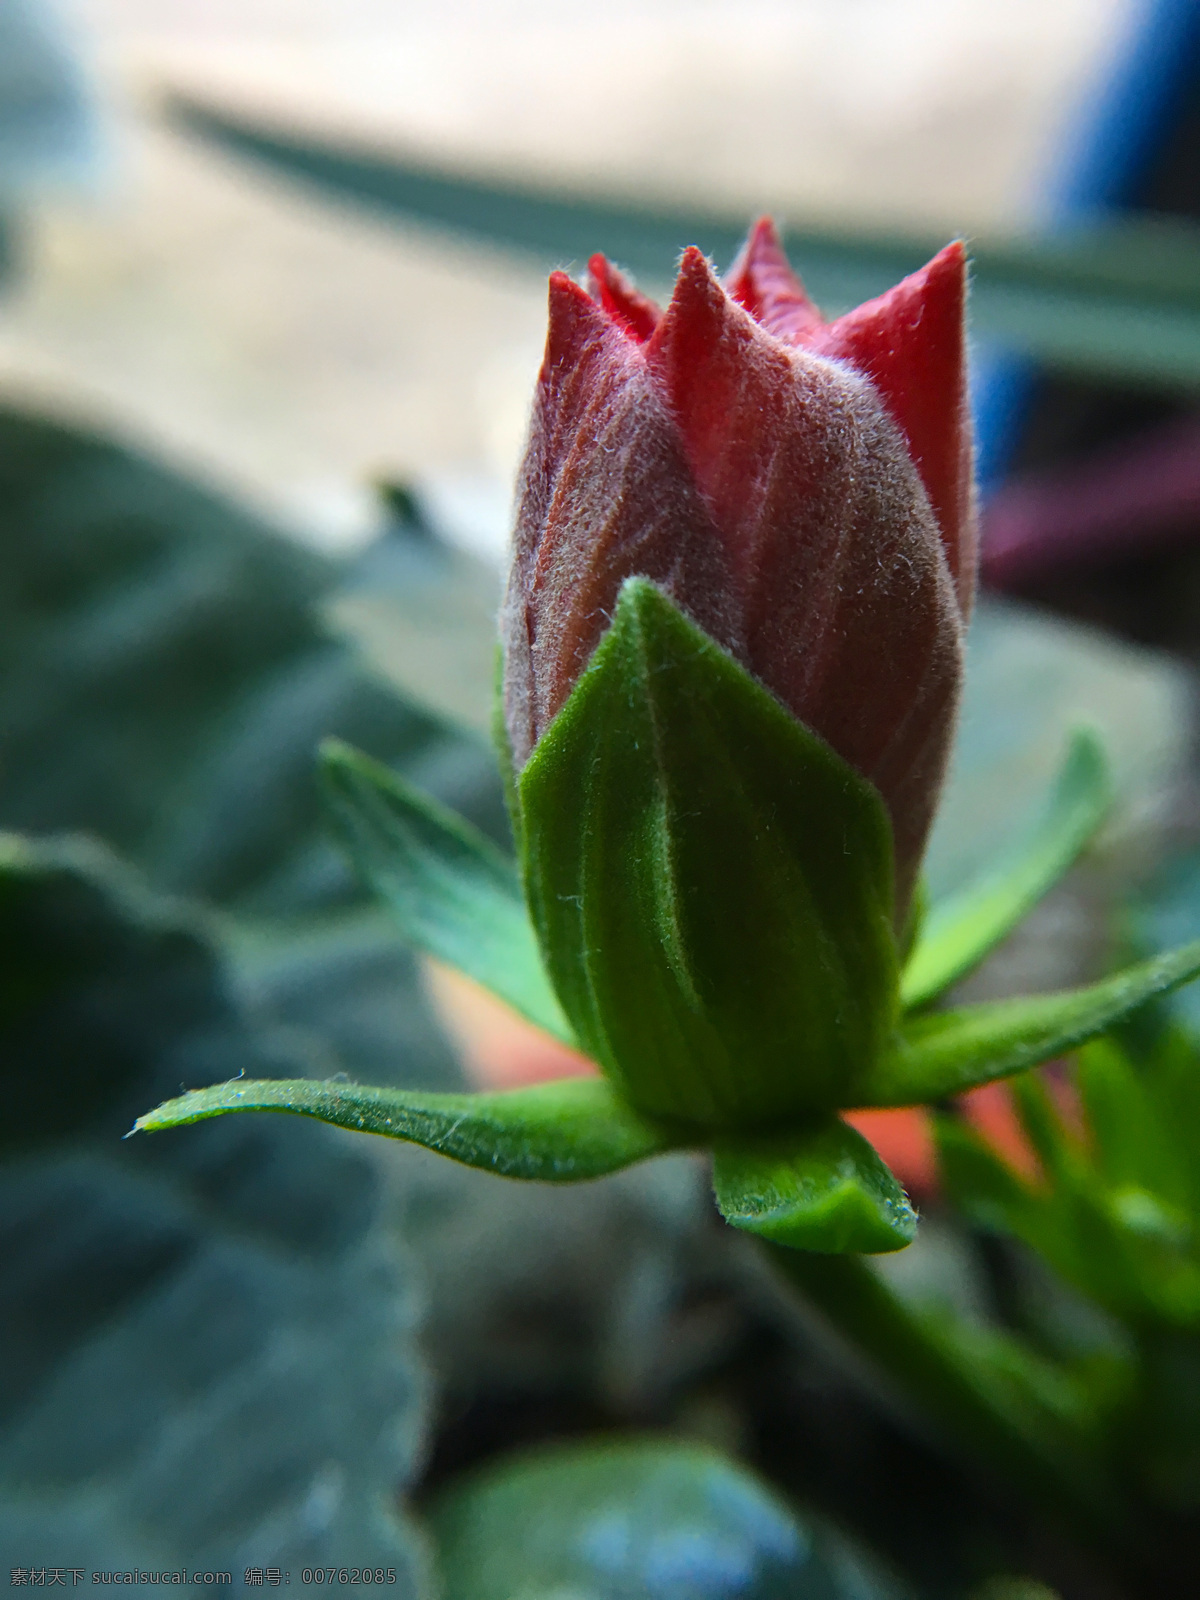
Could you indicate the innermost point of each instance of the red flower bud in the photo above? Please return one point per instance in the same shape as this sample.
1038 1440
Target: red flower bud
801 490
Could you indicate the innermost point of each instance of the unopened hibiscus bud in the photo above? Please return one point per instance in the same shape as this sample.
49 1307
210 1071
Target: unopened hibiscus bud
800 490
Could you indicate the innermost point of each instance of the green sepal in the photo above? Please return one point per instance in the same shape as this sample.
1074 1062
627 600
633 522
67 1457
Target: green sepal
944 1054
711 883
560 1132
818 1187
452 892
960 930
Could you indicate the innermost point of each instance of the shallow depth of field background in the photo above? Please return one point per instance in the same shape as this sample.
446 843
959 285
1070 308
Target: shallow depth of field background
256 358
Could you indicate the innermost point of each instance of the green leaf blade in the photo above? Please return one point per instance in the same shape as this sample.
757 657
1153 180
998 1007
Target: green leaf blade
452 892
561 1132
712 884
821 1187
1119 299
960 930
945 1054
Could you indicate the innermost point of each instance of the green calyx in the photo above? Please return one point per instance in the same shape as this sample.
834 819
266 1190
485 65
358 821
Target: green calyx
703 904
710 883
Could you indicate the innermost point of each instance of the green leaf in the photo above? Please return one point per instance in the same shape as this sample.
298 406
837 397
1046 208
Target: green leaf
1133 1143
981 1184
1117 299
945 1054
166 674
561 1132
610 1519
451 890
961 929
822 1187
711 884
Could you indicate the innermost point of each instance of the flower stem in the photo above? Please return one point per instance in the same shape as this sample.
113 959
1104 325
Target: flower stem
969 1404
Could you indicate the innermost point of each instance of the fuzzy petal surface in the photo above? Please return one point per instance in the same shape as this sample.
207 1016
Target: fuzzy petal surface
605 491
848 610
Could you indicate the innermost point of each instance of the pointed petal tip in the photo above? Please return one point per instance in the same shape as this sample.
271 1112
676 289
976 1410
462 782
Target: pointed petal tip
950 265
575 321
697 280
562 287
570 303
635 313
764 245
942 280
693 263
698 311
762 282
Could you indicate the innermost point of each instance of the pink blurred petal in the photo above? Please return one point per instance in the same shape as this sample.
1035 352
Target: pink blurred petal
1132 498
498 1048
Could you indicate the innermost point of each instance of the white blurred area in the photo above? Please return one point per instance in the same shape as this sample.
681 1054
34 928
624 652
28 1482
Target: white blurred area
292 350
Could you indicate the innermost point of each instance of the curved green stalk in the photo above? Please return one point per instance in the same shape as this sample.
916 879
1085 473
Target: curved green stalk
1056 1467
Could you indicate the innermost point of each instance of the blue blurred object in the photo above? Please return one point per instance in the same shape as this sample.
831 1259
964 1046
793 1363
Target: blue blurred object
1101 168
48 122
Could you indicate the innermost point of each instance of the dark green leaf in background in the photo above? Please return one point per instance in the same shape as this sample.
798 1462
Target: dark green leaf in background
207 1347
205 1353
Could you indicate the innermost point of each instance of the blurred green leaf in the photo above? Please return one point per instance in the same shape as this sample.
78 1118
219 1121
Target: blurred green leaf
959 930
165 678
451 891
558 1132
1118 298
711 883
1122 1241
821 1188
638 1519
987 1189
1132 1146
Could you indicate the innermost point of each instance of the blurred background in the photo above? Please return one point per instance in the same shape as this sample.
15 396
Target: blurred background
272 302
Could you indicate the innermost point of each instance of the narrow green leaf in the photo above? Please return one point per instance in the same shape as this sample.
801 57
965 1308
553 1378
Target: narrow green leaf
1118 299
961 929
936 1056
712 884
452 892
820 1187
982 1185
559 1132
1136 1140
1043 1127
